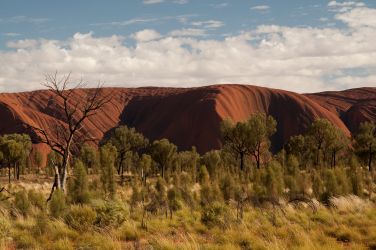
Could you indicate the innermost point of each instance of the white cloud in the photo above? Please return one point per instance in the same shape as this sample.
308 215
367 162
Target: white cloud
210 24
146 35
344 6
260 8
152 1
359 17
295 58
188 32
22 44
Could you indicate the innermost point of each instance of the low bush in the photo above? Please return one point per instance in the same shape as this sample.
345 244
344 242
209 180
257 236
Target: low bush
22 202
57 204
215 215
80 217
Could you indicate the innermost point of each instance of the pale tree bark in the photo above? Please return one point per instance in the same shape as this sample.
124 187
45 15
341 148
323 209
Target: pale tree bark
65 134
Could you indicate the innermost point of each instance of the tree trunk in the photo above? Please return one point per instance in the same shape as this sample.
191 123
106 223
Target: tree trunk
370 160
241 161
64 170
18 171
9 173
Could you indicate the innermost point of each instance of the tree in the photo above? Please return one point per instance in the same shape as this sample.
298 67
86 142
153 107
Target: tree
322 134
15 149
80 186
126 140
89 156
145 165
249 138
38 158
108 155
297 146
211 160
337 143
189 162
163 153
365 142
65 134
173 201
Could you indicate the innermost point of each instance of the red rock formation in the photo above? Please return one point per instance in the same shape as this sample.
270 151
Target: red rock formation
191 116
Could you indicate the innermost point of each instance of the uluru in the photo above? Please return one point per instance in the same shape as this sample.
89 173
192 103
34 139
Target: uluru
192 116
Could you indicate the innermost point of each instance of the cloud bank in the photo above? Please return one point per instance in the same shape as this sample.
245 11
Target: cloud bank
302 59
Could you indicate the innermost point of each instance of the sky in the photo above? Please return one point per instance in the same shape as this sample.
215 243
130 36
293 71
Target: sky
297 45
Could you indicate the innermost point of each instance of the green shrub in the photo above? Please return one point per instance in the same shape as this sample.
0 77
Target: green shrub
110 213
22 203
41 223
128 232
37 199
215 215
57 204
80 217
79 187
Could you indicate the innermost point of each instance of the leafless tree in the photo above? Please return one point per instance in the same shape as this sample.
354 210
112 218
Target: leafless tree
65 134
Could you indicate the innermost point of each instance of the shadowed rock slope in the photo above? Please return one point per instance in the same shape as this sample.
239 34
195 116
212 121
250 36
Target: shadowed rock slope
191 116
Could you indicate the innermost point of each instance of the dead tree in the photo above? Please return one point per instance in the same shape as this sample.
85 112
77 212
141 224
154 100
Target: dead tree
65 134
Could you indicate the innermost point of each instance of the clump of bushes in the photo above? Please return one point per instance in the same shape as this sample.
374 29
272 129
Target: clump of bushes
57 204
22 202
80 217
216 214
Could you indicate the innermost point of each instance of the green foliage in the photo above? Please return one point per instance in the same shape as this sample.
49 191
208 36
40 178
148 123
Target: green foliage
108 156
79 188
89 157
127 142
216 214
110 213
145 167
173 200
37 199
228 187
163 152
57 204
365 143
212 160
203 176
38 159
80 217
274 179
249 138
22 202
209 194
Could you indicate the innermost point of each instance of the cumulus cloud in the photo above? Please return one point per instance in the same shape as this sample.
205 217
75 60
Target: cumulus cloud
344 6
209 24
188 32
146 35
302 59
359 17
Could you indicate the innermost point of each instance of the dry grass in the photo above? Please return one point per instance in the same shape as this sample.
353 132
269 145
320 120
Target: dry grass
350 223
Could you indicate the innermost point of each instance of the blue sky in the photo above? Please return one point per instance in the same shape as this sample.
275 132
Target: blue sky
281 44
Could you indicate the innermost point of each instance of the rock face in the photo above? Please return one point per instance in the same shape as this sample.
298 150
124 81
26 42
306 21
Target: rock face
191 116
